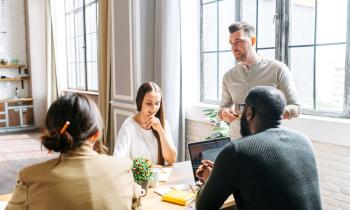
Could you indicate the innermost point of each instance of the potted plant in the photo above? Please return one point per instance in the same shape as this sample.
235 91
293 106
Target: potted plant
142 172
220 129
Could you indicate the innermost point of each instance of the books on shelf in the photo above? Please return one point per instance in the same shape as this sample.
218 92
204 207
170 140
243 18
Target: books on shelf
179 197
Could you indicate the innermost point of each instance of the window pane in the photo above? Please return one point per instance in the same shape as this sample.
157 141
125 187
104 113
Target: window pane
77 50
95 75
331 21
69 4
68 31
79 24
209 27
87 19
226 62
81 76
71 25
302 22
302 68
330 73
94 47
72 76
90 76
267 53
78 3
88 48
226 18
249 12
93 18
207 1
92 82
266 27
88 1
210 76
72 50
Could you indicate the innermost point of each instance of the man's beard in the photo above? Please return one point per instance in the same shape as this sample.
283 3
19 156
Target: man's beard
245 131
241 56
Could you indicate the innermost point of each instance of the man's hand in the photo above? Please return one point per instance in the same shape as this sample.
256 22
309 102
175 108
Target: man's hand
204 170
228 115
286 115
291 111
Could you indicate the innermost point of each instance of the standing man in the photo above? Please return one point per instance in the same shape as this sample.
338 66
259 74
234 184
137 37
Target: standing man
250 71
269 168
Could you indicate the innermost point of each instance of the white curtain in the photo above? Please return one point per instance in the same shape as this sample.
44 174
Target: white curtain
56 50
167 67
51 78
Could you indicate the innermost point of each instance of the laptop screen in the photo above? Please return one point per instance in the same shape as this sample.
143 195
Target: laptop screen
205 150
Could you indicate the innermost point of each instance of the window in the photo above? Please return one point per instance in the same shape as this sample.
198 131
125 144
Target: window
317 54
308 35
81 39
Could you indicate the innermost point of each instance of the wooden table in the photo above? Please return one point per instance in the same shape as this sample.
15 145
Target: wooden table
5 197
181 174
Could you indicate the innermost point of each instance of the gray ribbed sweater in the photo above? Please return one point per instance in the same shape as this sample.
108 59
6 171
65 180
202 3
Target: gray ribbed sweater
239 80
273 169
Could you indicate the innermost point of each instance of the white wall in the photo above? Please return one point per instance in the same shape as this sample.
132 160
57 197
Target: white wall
13 45
37 58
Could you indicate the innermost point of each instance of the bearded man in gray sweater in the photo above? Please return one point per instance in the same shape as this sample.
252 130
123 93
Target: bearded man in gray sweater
250 71
269 168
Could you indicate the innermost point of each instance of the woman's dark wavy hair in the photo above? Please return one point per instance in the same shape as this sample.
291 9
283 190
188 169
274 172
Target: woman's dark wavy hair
143 89
85 120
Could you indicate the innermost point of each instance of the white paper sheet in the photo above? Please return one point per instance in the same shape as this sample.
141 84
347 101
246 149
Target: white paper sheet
3 204
164 174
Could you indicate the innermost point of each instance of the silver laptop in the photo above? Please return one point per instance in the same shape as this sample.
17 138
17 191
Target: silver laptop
205 150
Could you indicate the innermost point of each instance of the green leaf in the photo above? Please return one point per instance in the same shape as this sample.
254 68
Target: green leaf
213 115
209 109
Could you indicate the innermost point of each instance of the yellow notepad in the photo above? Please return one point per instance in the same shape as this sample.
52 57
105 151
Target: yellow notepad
179 197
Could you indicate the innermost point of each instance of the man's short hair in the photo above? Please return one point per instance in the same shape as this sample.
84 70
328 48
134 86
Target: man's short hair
267 102
248 29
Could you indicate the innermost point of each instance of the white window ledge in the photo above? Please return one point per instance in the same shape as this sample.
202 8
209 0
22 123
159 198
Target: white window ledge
321 129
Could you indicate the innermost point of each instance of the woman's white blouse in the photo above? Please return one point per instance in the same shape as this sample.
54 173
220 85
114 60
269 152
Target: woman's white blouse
133 141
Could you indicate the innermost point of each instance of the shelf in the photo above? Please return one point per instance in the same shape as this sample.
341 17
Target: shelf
14 79
14 100
12 66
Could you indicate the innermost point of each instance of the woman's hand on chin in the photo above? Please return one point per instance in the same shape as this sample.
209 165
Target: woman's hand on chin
155 124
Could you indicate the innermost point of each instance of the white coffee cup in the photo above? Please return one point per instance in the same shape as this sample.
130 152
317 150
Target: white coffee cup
155 177
139 190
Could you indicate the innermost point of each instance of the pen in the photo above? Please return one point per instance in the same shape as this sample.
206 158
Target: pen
193 190
64 127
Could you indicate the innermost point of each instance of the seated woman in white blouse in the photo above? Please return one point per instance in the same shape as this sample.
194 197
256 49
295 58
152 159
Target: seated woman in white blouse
147 134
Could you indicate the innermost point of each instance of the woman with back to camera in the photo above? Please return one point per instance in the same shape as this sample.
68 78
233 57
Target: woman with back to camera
80 178
147 134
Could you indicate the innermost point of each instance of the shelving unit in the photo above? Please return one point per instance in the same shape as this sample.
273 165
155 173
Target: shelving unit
16 113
